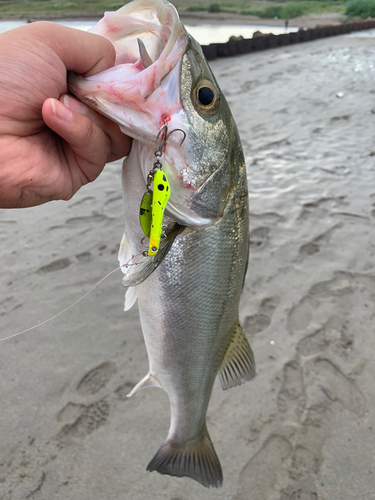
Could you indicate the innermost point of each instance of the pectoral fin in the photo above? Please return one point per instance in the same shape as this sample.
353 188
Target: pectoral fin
130 298
238 364
125 251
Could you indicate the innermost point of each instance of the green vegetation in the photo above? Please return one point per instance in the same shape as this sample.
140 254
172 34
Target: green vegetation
197 8
290 10
46 8
361 8
213 7
270 9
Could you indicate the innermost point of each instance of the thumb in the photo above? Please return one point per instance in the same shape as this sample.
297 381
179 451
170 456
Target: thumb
82 52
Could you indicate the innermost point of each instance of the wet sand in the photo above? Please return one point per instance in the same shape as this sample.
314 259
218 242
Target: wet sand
304 427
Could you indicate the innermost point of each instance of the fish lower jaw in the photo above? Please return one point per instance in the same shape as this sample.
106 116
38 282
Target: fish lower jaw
186 217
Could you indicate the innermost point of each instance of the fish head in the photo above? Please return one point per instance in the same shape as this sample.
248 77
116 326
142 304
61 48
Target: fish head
162 93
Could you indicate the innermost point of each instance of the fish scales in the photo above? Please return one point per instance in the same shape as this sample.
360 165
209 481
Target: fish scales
189 292
200 303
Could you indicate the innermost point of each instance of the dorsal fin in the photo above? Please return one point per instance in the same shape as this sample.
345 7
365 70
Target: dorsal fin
237 366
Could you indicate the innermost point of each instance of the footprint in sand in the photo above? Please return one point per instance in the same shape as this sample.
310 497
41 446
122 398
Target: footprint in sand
300 315
307 455
89 418
318 242
88 219
320 208
270 218
318 341
97 378
84 256
338 387
261 472
56 265
82 419
259 238
291 400
262 319
340 118
340 285
70 412
300 494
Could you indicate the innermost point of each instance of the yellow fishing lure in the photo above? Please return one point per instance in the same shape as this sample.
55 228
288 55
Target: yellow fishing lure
145 214
152 210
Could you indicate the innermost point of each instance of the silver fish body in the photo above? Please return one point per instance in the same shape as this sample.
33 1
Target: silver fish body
189 302
188 328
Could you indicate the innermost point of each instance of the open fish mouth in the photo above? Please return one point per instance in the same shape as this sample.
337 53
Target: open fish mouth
145 91
137 92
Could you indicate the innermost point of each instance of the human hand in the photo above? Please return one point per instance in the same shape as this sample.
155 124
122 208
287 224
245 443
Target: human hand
50 143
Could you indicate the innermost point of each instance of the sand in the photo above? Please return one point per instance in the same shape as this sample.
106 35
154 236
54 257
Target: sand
202 17
304 427
225 18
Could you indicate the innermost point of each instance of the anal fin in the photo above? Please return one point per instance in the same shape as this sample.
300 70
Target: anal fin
197 461
237 366
147 381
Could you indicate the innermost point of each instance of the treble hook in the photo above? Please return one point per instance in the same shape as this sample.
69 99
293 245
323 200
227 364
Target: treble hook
166 136
159 151
175 130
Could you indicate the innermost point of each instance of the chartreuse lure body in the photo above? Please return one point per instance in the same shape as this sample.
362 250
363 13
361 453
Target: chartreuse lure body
145 214
152 210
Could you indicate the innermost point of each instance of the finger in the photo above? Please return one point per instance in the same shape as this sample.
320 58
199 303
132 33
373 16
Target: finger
89 147
82 52
120 143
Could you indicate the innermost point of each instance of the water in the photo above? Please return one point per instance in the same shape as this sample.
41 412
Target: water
362 34
204 34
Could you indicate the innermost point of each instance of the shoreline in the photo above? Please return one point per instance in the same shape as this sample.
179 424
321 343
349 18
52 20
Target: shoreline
201 18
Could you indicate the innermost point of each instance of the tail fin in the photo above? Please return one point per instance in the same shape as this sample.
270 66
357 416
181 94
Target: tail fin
198 461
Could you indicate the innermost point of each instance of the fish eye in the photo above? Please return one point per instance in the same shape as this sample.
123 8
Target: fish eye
206 98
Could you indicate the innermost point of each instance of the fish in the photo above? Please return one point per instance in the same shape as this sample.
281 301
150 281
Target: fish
163 94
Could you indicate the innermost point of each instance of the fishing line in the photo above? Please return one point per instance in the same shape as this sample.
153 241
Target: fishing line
67 308
158 154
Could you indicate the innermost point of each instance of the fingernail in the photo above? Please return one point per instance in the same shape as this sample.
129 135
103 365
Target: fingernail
61 111
74 105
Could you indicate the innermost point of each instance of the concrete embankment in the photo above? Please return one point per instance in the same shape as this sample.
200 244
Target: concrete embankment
268 40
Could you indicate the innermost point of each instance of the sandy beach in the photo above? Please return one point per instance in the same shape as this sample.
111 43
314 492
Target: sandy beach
304 427
202 17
